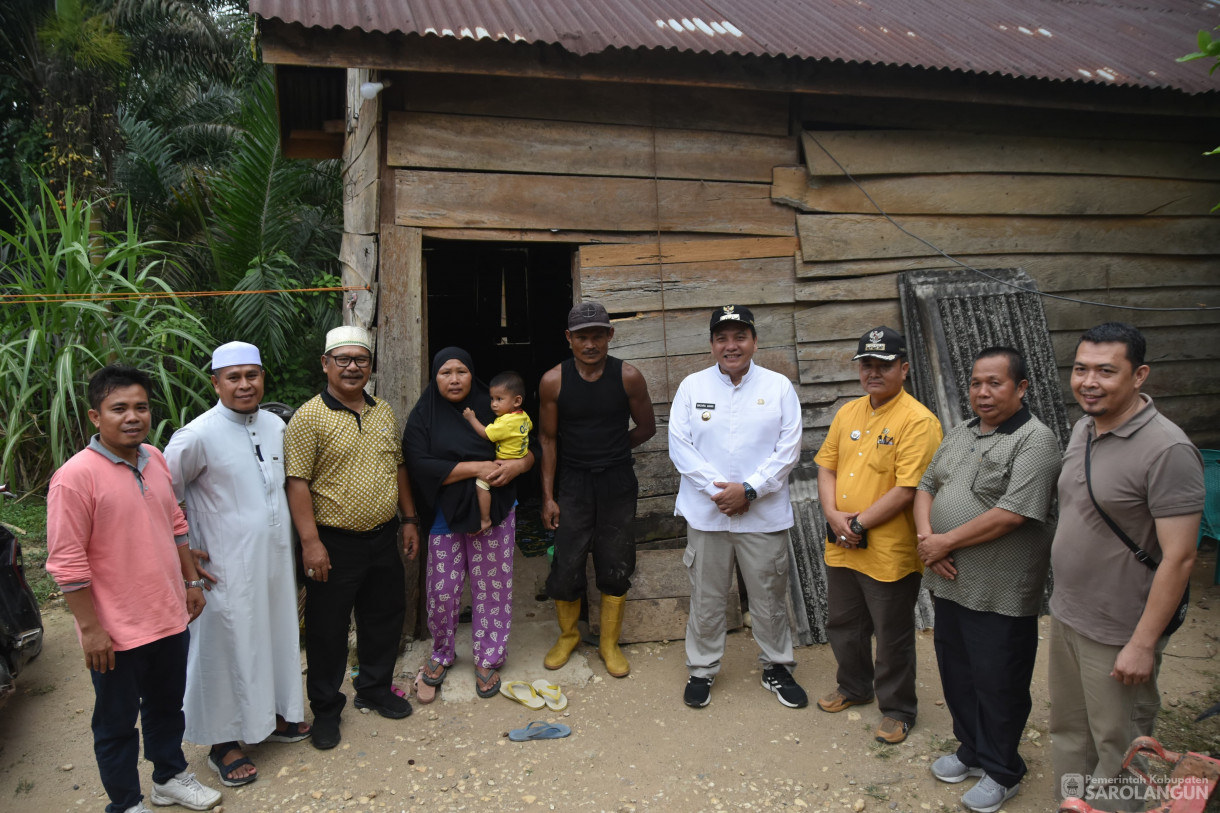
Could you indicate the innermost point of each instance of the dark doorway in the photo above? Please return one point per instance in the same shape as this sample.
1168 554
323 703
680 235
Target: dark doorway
507 305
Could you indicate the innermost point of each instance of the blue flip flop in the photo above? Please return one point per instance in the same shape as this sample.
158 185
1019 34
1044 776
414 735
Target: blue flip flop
539 730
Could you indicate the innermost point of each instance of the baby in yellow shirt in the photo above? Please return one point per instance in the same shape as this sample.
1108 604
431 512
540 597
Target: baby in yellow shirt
509 431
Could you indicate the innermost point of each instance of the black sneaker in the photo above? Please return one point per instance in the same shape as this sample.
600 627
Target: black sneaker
325 732
779 680
390 705
698 691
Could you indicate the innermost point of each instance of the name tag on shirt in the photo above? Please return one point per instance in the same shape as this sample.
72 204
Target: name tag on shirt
705 406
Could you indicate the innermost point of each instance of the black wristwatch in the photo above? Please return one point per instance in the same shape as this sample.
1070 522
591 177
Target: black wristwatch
856 527
751 494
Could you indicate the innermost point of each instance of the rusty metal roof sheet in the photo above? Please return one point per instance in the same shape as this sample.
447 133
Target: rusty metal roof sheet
1108 42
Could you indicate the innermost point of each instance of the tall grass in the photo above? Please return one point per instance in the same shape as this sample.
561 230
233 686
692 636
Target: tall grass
48 350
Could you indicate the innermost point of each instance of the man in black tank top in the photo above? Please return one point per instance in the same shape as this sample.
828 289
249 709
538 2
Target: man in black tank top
587 405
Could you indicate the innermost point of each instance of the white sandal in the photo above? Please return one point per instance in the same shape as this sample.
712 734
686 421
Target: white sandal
549 692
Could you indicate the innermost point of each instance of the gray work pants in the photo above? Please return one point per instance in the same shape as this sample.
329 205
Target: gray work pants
709 560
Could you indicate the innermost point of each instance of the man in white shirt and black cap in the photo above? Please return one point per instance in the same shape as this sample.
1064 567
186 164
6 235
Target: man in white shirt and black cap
243 679
734 436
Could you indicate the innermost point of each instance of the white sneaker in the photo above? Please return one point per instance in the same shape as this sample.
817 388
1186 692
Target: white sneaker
988 796
138 807
952 770
184 789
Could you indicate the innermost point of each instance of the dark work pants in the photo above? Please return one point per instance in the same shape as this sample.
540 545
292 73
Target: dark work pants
366 575
595 514
149 682
859 608
986 663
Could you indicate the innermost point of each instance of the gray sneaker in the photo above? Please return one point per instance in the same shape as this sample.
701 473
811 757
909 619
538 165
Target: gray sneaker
184 789
138 807
952 770
988 795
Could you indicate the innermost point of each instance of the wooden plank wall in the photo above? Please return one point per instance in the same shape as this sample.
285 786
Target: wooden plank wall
1118 222
668 191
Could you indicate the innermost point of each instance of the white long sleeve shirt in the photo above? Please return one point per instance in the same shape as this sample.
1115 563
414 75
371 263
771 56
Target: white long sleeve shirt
749 433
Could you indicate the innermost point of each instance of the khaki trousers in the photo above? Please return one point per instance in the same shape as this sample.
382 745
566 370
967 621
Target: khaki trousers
709 559
1094 717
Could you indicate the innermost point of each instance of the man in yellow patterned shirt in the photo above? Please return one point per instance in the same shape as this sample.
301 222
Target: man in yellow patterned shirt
346 486
868 468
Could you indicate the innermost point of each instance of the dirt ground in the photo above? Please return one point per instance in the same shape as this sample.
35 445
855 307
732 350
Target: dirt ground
634 745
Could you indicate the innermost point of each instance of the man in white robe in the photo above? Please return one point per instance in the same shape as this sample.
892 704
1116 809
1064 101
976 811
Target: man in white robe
244 666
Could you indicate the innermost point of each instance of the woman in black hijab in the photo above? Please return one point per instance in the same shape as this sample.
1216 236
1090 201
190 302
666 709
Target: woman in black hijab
444 455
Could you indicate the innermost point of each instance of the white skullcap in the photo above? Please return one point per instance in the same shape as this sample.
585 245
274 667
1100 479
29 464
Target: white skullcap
233 353
348 335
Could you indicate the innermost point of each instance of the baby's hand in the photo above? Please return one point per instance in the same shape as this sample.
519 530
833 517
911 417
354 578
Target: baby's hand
468 413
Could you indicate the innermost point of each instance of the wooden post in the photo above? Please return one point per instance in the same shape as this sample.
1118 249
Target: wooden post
400 346
400 339
361 193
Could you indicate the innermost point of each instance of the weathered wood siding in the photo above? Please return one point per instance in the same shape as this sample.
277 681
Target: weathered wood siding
681 199
1116 222
668 192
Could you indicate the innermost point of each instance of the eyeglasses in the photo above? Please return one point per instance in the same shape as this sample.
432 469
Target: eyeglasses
359 361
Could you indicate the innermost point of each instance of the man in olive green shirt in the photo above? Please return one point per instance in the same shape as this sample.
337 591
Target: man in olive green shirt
984 514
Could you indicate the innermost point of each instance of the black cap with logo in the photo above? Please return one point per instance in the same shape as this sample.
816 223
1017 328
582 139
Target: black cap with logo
883 343
739 314
588 314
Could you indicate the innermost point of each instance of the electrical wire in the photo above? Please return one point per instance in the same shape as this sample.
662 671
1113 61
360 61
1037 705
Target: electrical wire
969 267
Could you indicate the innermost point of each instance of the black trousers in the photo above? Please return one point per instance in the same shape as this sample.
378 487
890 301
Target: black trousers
366 576
986 662
147 681
595 514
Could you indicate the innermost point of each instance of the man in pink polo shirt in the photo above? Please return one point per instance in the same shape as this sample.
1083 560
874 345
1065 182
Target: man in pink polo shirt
117 547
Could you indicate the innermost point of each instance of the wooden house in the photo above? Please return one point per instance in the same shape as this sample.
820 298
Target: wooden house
515 158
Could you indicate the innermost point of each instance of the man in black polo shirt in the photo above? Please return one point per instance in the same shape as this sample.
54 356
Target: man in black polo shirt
346 486
586 405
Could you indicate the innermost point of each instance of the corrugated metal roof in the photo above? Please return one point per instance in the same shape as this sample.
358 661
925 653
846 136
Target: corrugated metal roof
1110 42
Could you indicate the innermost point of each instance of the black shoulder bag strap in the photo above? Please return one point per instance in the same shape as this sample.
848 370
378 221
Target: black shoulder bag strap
1142 555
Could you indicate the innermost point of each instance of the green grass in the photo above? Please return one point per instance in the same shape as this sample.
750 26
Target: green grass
943 745
882 750
27 518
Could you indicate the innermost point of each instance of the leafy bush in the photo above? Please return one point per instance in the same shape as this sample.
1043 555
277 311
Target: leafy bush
87 298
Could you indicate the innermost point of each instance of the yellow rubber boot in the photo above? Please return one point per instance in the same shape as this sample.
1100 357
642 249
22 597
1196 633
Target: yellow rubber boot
568 614
612 625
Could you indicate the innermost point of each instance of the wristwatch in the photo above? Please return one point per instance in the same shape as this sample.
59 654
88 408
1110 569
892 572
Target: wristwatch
197 583
751 494
856 527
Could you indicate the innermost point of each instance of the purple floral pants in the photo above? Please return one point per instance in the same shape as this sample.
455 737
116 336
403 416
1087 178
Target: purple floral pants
488 560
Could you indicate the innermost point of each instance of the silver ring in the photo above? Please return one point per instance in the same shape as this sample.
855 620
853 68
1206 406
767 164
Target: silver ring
309 573
841 539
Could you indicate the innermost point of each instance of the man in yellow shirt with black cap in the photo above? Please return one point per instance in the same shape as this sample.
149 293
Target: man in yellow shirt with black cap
869 467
